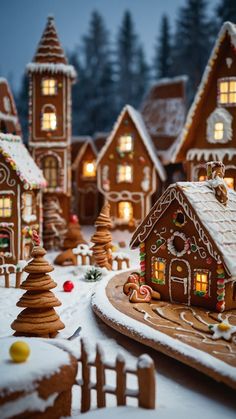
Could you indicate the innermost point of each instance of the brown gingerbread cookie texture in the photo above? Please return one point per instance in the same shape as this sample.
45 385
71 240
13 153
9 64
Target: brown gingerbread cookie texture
198 337
41 386
39 317
102 239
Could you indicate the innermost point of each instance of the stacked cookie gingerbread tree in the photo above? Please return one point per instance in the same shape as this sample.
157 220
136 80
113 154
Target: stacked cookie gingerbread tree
38 317
102 239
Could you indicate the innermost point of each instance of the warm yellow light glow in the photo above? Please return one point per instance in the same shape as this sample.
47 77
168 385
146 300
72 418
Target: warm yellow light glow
125 210
125 173
202 178
49 121
159 269
5 206
201 281
219 131
49 87
89 169
229 182
227 92
125 143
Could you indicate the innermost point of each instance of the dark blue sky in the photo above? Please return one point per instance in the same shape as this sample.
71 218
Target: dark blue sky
22 23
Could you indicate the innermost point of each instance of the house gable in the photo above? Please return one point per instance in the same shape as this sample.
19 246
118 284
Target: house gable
220 65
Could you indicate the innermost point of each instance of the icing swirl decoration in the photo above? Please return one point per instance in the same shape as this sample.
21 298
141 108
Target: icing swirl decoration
171 244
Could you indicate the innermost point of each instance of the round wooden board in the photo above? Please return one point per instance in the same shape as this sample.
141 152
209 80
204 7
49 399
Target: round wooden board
162 332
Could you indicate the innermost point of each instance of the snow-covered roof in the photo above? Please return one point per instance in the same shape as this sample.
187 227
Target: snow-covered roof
141 128
218 220
18 157
170 80
50 55
229 28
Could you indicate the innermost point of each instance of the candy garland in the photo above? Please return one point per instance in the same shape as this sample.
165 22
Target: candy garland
220 306
29 230
142 256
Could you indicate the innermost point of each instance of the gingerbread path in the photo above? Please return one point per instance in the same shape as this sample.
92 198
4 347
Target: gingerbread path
176 330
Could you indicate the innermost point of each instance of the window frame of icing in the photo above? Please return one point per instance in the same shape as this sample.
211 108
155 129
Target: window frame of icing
5 210
50 170
125 221
154 279
121 176
85 173
222 117
227 92
48 90
201 292
51 111
122 141
28 210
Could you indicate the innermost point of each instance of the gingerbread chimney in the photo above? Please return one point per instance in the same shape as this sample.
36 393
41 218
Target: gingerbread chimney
215 176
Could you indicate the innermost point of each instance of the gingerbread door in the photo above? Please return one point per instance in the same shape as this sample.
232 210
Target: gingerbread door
179 281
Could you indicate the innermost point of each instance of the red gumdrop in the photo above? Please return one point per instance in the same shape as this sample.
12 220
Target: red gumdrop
68 286
73 218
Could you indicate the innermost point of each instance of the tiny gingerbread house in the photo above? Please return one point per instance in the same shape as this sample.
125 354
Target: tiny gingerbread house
210 129
128 170
21 182
86 197
188 243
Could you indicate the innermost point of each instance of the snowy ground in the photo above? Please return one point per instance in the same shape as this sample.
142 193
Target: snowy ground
181 391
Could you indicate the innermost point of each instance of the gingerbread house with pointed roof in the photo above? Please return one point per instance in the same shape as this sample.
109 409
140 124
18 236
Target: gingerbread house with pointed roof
21 183
9 121
210 129
50 80
188 242
129 171
86 197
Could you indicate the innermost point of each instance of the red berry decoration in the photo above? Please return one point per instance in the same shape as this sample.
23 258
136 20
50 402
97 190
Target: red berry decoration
73 219
68 286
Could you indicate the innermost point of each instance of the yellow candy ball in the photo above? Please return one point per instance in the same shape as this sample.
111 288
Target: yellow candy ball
223 327
19 351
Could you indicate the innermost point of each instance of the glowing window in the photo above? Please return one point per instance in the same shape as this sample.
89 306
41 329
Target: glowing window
124 173
125 143
50 171
229 182
125 211
218 131
89 169
201 281
49 119
158 270
49 87
5 206
227 91
202 178
27 204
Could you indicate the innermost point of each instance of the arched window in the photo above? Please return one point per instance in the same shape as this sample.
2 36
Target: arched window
50 171
219 126
49 118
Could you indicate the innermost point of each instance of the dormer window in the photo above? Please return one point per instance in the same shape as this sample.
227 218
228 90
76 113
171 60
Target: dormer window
89 169
125 143
124 173
49 118
227 91
49 87
219 126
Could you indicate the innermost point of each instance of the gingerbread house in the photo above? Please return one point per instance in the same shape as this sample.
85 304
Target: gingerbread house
86 198
50 79
129 170
188 244
164 112
209 132
21 182
9 122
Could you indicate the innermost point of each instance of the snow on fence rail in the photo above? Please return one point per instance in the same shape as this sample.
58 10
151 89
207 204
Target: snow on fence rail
145 375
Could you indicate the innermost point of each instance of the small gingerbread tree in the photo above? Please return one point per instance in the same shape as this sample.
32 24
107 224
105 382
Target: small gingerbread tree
74 235
39 317
102 239
54 225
